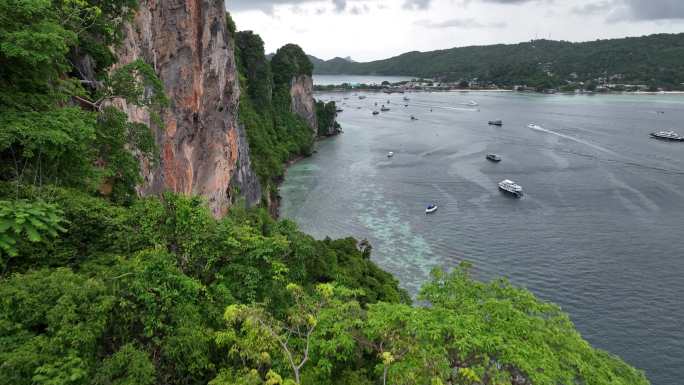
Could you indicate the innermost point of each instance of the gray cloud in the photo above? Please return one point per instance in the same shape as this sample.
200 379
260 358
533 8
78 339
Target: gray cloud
593 8
357 10
507 1
635 10
268 6
261 5
655 9
417 4
464 23
614 10
340 5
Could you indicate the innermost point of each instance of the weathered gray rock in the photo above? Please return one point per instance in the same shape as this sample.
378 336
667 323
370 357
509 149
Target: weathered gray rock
303 104
203 149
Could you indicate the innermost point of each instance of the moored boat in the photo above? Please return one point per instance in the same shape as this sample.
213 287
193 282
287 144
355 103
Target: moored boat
668 135
376 112
510 187
390 154
384 109
431 208
495 123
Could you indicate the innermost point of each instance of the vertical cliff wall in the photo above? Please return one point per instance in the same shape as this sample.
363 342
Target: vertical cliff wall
303 104
292 71
203 149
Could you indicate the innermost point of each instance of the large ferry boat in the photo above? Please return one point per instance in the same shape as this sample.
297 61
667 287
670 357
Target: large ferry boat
511 187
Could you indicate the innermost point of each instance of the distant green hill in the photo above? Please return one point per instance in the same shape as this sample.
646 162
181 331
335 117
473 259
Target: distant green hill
656 60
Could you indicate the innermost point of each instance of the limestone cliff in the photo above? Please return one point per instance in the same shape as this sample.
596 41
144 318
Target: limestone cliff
203 149
292 74
303 104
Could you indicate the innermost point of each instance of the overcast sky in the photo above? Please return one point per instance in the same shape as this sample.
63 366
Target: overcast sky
377 29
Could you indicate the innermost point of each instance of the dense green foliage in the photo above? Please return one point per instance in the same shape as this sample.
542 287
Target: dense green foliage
121 290
275 134
255 68
55 125
649 60
136 293
326 115
288 62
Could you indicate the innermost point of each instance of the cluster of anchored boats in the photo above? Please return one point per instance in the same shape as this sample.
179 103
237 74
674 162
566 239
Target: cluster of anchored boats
508 186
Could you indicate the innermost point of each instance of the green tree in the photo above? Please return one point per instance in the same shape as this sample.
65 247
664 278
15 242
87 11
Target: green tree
34 222
292 336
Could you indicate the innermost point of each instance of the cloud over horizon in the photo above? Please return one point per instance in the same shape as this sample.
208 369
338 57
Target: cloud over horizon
375 29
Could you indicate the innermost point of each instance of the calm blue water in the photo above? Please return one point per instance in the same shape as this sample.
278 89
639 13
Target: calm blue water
600 230
356 79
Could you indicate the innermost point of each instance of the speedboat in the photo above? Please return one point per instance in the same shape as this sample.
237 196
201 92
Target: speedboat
390 154
493 157
413 118
339 110
431 208
376 112
471 103
495 123
534 126
510 187
384 109
668 135
406 98
362 97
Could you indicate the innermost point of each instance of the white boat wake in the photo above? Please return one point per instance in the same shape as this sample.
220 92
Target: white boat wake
564 136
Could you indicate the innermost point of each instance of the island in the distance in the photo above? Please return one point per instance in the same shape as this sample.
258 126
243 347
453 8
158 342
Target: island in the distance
648 63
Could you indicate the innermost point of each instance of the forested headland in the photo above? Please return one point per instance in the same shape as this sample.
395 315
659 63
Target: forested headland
655 61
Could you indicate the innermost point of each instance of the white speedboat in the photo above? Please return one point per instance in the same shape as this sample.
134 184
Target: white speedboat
511 187
535 126
668 135
431 209
494 157
390 154
471 103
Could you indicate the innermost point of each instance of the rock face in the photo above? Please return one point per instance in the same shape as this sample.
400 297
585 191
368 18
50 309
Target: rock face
330 130
303 104
203 149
